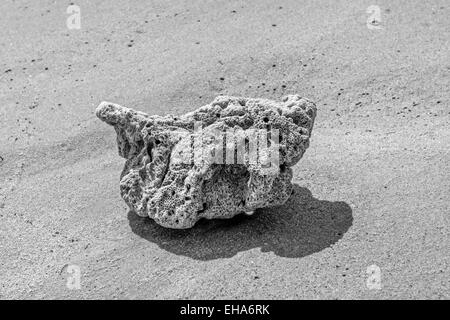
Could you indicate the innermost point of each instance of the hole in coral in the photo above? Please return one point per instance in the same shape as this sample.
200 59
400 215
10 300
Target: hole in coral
266 119
203 209
157 141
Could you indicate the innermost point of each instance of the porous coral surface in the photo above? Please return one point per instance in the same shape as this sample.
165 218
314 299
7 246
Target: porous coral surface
181 169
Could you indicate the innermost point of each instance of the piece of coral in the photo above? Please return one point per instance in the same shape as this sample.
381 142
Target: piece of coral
177 174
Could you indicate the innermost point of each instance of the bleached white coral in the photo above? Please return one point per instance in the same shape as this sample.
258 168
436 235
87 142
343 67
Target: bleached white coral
176 173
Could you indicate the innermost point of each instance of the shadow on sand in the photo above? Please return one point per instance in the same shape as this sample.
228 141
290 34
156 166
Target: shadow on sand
302 226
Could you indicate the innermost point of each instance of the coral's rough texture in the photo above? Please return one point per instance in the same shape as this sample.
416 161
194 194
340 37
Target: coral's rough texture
176 192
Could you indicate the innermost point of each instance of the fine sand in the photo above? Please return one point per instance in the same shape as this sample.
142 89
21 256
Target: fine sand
371 193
